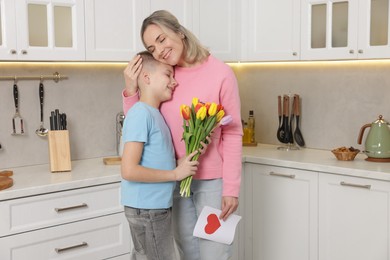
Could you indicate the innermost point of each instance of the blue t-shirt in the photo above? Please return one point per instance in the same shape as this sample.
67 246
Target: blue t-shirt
144 123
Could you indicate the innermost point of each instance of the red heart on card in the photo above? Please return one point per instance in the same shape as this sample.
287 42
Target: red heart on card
212 224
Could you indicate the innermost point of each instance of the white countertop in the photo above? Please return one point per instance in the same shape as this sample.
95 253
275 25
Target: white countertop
33 180
317 160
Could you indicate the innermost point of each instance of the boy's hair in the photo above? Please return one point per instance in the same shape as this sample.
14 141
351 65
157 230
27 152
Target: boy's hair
194 50
148 61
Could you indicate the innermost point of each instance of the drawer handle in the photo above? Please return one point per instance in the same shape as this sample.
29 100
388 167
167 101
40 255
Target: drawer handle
84 205
355 185
292 176
61 250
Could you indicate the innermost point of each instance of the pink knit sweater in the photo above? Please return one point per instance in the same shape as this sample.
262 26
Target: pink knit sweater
212 81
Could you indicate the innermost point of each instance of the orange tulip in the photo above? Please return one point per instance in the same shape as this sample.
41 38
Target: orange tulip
185 112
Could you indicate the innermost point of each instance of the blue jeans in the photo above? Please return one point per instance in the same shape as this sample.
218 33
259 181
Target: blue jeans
185 212
151 232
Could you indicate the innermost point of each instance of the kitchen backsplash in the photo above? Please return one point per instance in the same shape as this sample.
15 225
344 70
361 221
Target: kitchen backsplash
337 99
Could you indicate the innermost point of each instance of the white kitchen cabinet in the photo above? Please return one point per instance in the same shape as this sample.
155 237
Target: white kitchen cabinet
42 30
85 223
280 213
270 30
7 29
217 26
345 29
353 218
112 29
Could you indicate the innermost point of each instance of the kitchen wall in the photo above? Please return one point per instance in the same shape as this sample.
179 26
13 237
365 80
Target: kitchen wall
337 99
91 98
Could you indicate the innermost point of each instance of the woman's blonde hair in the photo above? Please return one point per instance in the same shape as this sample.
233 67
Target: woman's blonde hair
194 50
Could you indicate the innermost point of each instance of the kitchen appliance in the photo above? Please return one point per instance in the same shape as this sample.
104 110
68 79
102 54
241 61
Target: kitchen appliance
377 144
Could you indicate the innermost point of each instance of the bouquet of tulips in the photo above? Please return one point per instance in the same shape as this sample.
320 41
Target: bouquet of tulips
199 121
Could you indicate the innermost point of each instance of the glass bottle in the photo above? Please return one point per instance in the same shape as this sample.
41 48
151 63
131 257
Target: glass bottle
251 127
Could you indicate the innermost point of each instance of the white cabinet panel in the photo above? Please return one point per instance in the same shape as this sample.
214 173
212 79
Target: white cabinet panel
280 213
98 238
345 29
56 208
271 30
113 29
353 218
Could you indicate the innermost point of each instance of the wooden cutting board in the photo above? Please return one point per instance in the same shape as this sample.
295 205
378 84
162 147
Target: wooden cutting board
5 182
112 160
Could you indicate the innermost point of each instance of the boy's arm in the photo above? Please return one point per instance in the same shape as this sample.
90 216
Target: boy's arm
132 171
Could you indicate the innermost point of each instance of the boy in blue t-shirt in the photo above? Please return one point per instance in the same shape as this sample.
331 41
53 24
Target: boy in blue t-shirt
149 170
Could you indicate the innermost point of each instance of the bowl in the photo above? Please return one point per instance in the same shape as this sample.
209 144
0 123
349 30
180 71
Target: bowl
345 154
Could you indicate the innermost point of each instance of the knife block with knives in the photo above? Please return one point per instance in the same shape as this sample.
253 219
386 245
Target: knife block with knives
59 146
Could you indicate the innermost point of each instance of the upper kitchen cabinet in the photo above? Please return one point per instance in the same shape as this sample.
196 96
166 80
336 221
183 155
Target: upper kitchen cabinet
43 30
345 29
217 31
270 30
216 25
7 28
112 29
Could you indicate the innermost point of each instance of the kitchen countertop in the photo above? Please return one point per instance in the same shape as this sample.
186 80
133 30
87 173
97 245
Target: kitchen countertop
37 179
316 160
34 180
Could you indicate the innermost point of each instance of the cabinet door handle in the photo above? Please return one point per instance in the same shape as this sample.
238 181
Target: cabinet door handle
343 183
83 205
63 249
292 176
351 51
360 51
24 52
13 51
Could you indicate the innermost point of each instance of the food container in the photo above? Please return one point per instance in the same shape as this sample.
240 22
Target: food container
345 154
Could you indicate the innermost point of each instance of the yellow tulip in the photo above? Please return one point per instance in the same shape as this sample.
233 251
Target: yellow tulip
201 114
220 115
213 109
195 101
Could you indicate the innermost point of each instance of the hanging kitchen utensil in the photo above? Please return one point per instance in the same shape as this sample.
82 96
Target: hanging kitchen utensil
286 111
41 131
17 116
280 133
297 133
290 132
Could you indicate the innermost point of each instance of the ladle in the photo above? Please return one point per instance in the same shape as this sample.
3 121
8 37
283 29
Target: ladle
41 131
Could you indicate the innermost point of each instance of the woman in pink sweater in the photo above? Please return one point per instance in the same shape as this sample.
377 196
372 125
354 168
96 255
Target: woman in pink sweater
199 74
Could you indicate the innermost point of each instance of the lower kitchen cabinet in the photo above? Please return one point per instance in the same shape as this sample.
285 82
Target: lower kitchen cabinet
280 213
353 218
84 223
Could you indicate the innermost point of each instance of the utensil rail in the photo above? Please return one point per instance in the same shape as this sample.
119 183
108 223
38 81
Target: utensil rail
56 77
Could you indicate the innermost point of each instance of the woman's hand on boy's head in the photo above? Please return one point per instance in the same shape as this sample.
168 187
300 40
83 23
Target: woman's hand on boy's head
131 73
